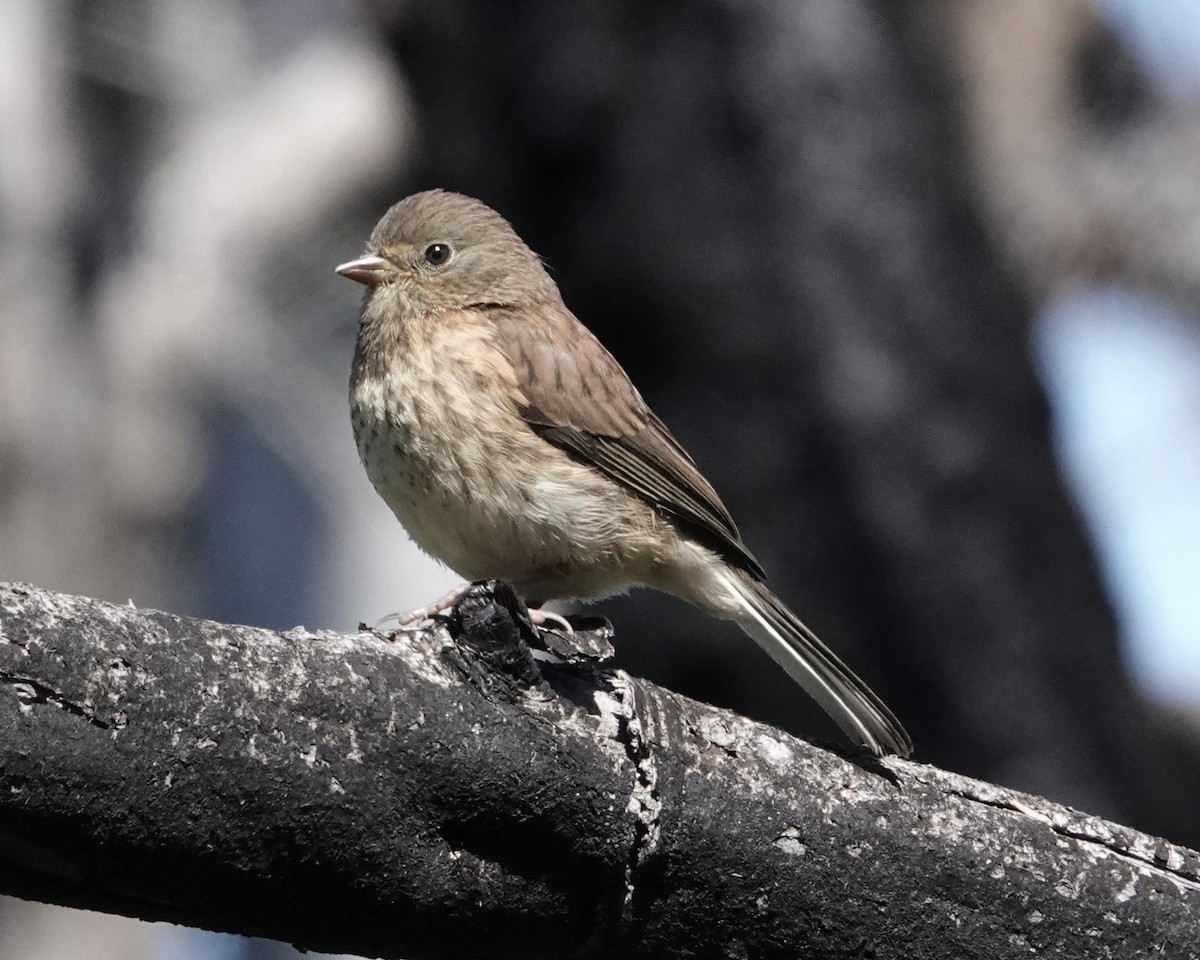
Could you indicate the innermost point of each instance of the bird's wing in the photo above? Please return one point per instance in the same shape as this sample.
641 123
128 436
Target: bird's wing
578 398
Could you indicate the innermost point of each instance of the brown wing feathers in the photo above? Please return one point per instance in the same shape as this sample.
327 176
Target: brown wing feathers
582 401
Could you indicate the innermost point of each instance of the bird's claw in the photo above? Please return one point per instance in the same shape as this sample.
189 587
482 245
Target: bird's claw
539 618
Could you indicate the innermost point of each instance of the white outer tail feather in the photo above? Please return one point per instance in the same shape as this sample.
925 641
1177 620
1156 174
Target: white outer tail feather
860 714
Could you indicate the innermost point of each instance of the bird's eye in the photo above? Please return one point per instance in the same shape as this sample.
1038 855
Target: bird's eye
437 253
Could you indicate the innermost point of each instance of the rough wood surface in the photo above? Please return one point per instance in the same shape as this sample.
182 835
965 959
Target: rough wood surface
446 794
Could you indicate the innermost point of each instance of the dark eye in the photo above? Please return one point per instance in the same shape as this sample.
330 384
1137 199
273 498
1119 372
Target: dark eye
437 253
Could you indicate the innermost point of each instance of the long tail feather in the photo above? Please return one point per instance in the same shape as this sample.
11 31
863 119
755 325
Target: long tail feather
862 715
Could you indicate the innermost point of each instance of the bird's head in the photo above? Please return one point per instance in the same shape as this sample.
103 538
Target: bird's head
442 251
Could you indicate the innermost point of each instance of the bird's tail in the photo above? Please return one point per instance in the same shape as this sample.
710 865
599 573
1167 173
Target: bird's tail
862 715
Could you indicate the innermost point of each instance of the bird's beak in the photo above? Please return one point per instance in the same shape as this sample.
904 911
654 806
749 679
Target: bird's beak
369 270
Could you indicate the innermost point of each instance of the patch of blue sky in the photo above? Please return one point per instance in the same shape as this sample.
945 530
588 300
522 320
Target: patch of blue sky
1123 374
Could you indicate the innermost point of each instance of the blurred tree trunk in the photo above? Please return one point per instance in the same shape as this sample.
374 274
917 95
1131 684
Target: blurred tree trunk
765 211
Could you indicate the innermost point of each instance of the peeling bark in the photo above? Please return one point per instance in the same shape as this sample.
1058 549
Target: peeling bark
453 793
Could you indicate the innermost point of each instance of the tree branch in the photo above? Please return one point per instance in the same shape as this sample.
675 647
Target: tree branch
447 795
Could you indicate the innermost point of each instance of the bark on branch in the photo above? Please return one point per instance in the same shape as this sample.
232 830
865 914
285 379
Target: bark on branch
447 795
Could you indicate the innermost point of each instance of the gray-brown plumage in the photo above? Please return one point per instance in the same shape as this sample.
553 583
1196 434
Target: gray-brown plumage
512 445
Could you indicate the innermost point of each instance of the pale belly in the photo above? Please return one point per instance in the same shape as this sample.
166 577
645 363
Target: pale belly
477 489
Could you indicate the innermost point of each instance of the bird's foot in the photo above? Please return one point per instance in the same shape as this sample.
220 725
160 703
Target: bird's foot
414 619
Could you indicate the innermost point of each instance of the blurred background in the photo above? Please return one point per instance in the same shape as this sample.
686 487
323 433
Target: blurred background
916 281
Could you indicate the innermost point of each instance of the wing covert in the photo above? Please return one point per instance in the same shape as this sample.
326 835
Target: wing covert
580 399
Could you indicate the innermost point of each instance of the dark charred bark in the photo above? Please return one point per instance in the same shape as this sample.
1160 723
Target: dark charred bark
446 794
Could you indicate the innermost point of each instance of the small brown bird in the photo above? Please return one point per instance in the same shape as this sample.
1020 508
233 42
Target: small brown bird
511 445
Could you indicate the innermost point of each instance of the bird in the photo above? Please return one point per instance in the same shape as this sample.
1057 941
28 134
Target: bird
511 445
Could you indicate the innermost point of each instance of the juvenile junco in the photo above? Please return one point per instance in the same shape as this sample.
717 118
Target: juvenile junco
511 445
